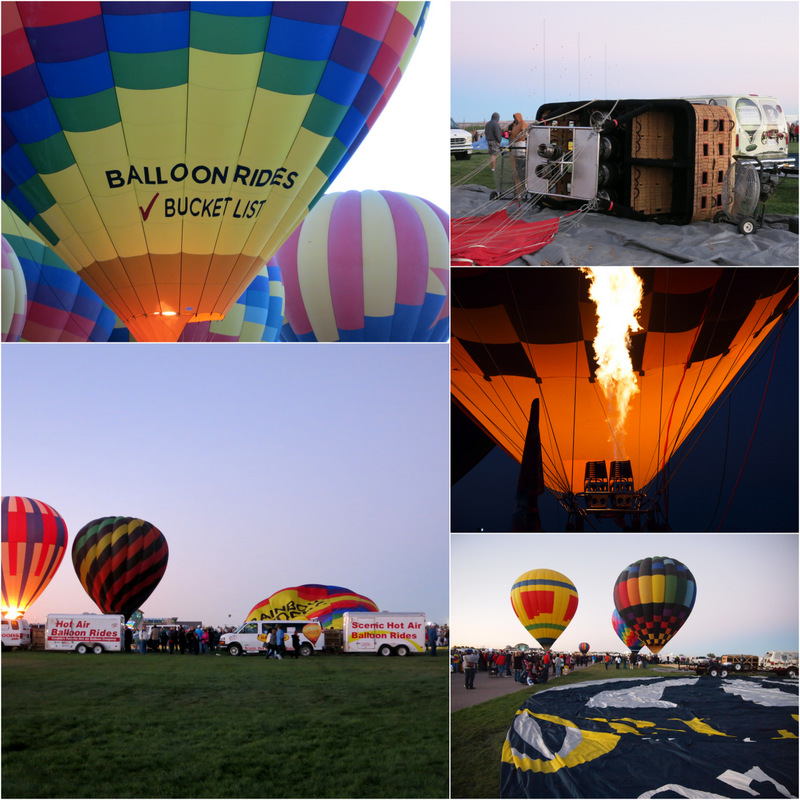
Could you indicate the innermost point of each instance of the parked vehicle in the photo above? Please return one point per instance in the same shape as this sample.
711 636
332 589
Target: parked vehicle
82 633
16 633
460 142
781 662
728 664
251 637
384 633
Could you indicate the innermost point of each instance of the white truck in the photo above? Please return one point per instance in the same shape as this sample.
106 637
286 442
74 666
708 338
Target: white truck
16 633
251 637
83 633
384 632
781 662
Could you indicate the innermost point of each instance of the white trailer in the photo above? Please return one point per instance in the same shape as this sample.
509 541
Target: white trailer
781 662
16 633
384 633
82 633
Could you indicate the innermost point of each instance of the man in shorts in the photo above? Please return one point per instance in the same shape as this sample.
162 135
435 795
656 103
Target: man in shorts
494 137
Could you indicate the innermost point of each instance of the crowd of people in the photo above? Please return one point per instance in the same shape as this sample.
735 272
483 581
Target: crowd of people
535 666
173 639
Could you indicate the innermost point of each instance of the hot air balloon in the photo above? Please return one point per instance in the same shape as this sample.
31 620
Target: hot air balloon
584 647
165 151
60 306
257 316
545 601
368 266
14 295
654 596
524 334
324 604
626 635
119 562
34 543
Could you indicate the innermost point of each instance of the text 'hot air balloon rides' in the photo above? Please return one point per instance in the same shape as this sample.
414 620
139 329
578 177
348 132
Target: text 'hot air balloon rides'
545 601
654 597
119 562
34 542
520 335
368 266
324 604
626 635
166 150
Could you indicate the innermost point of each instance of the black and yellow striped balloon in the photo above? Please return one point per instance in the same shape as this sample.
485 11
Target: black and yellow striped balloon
119 562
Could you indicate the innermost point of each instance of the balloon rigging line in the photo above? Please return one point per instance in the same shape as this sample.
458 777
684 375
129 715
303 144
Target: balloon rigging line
755 426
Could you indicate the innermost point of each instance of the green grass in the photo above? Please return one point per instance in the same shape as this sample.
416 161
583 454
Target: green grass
204 726
478 733
476 171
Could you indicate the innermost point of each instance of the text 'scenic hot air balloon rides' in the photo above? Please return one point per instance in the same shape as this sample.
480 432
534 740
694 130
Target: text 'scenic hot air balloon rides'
119 562
34 543
257 316
325 604
584 647
166 150
14 294
545 601
626 635
368 266
60 306
523 334
654 596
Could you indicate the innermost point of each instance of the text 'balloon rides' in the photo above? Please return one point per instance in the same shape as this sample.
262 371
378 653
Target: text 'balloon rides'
324 604
119 562
545 601
34 542
166 150
626 635
654 596
368 266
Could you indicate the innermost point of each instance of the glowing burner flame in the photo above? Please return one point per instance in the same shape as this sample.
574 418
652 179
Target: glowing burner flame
617 293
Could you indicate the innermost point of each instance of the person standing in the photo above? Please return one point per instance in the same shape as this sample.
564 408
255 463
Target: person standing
296 643
433 635
494 137
470 668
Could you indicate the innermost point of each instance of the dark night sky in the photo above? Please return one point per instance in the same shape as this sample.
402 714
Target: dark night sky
767 495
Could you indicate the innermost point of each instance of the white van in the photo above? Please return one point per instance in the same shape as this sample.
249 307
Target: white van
16 633
782 662
761 128
252 636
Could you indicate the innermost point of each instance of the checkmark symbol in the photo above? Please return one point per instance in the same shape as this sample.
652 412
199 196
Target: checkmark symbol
146 212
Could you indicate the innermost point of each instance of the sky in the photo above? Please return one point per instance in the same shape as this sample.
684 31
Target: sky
747 588
400 153
264 467
514 56
766 499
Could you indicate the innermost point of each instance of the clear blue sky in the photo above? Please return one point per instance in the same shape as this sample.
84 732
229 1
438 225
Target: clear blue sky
514 56
264 466
747 588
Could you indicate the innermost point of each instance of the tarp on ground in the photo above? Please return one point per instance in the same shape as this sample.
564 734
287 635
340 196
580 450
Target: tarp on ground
652 737
602 240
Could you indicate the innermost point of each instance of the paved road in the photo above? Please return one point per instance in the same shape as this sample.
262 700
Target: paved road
486 688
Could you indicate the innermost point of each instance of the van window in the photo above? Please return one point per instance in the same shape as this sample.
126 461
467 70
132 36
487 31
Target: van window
249 627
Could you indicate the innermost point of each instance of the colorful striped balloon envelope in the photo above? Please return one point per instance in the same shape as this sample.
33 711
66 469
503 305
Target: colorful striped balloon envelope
545 601
166 150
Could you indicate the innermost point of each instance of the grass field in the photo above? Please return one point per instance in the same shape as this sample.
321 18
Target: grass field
476 171
478 733
119 725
